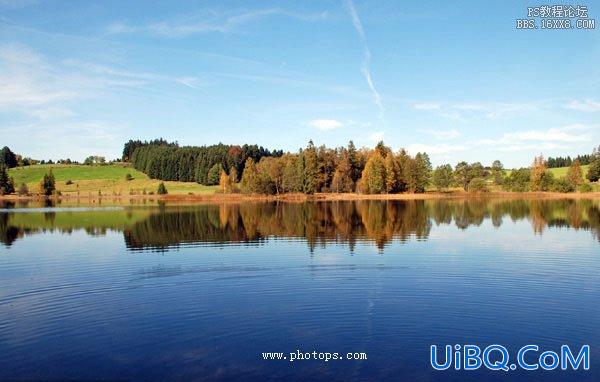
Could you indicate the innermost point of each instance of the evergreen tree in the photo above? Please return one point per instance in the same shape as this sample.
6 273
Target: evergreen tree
497 172
310 169
355 168
7 184
162 189
48 184
8 158
213 174
442 177
593 173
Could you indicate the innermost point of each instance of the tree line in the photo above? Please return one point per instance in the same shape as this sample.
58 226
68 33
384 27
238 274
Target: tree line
162 160
554 162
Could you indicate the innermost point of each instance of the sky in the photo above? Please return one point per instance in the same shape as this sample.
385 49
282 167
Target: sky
454 79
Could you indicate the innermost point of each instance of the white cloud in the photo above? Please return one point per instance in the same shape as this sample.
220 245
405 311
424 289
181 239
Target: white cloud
426 106
85 138
434 149
325 124
550 135
487 110
209 22
46 113
538 140
443 134
587 105
376 136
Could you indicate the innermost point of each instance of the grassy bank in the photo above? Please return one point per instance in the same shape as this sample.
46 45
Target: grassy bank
107 180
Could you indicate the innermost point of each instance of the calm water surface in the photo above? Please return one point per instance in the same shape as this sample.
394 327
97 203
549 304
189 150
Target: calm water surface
176 292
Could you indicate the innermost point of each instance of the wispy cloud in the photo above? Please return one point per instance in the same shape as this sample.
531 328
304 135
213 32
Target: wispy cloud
325 124
366 64
434 148
209 22
443 134
376 136
587 105
470 110
550 139
85 138
427 106
35 86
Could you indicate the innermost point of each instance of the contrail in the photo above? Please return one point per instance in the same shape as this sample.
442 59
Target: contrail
366 64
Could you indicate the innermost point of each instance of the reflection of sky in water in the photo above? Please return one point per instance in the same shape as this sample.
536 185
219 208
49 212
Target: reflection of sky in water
83 306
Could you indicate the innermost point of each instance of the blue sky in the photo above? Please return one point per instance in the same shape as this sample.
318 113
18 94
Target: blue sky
455 79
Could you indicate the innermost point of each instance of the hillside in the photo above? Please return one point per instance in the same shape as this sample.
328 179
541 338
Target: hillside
107 179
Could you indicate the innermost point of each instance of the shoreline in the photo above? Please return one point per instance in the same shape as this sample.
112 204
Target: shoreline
318 197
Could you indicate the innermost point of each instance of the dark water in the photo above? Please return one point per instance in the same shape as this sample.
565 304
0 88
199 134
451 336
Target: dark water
198 293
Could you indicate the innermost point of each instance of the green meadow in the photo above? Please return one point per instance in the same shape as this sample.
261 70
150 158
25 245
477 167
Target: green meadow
105 179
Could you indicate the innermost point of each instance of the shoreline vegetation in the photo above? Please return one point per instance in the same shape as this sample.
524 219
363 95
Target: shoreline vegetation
159 170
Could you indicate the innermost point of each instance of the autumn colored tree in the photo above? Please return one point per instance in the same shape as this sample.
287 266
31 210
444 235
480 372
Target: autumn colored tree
233 175
392 171
373 176
271 171
225 183
250 183
291 179
342 177
539 177
575 174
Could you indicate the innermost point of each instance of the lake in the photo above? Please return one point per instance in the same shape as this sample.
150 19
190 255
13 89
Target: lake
174 292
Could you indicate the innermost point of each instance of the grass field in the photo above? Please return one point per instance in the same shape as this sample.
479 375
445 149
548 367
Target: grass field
108 180
559 171
562 171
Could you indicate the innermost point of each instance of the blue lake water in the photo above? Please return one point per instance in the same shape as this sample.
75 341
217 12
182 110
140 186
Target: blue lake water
200 292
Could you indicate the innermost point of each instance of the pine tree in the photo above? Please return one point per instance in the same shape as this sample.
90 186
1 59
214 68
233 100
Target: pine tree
310 169
7 184
48 184
162 189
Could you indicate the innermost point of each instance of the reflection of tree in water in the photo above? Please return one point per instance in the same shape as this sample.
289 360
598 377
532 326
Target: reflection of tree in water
318 223
8 233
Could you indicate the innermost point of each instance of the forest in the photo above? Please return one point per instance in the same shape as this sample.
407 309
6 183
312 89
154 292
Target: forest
255 170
